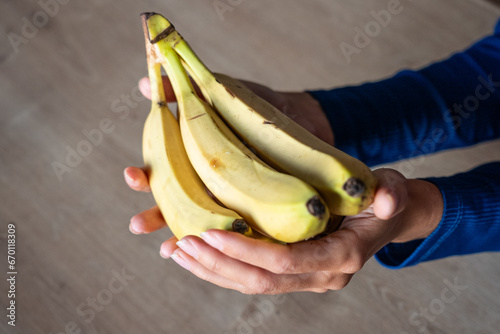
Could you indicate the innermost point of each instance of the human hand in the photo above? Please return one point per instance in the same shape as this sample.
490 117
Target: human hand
301 107
402 210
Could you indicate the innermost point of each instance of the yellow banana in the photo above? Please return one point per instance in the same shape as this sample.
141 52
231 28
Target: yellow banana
279 205
180 194
346 184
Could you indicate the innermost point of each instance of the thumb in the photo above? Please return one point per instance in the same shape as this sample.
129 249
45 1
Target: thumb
391 196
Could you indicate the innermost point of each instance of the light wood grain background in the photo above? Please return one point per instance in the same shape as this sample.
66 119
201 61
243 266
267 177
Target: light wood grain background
72 235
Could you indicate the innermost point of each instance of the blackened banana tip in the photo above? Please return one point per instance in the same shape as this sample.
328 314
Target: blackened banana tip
164 34
147 15
316 207
240 226
354 187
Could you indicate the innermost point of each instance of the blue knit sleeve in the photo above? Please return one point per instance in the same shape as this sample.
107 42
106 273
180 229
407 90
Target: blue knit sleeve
470 222
449 104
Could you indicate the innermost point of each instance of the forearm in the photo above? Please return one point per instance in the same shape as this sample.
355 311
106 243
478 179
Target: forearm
470 221
453 103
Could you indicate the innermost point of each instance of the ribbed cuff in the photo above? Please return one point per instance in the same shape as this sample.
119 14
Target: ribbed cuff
470 222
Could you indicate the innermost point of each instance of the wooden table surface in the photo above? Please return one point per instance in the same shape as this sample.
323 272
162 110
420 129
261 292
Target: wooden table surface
79 269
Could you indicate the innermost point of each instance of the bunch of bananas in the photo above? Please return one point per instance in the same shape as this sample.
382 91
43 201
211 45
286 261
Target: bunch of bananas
308 188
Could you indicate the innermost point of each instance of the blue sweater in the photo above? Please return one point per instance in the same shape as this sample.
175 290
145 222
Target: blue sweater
449 104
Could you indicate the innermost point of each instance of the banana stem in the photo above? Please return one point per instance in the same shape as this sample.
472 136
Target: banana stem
191 59
154 68
176 72
163 39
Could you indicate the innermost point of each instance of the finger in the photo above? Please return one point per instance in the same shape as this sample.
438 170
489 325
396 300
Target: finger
136 179
210 264
334 252
188 263
223 265
147 221
168 247
145 88
391 195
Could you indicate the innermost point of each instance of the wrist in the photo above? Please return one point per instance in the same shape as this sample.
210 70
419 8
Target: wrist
422 213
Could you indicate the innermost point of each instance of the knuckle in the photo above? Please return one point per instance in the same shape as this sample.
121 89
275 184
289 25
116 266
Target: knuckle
339 282
351 261
213 265
236 252
282 262
285 265
354 263
259 285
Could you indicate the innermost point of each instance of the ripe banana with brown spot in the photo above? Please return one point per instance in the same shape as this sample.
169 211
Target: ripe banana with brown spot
179 193
277 204
346 184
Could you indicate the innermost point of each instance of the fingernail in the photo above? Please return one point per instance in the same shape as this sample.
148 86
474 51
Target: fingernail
163 255
130 180
180 260
390 206
131 228
392 202
144 86
211 240
187 246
